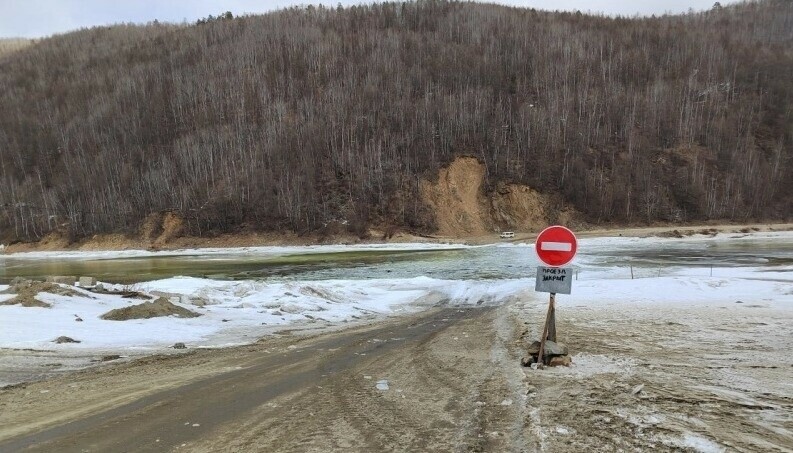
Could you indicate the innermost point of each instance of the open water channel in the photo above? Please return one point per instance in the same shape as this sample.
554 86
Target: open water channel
497 261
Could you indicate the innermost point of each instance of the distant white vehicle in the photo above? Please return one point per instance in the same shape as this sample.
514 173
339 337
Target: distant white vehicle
507 235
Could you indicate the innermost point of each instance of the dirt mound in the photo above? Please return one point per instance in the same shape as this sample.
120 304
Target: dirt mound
27 290
26 301
146 310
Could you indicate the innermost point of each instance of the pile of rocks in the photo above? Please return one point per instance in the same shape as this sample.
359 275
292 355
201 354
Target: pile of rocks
555 354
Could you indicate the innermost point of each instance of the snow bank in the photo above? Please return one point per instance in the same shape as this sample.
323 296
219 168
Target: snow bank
609 242
233 312
236 312
744 285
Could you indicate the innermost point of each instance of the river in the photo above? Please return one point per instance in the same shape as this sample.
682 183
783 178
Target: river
498 261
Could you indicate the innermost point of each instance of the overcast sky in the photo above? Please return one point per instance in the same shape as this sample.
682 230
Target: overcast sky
39 18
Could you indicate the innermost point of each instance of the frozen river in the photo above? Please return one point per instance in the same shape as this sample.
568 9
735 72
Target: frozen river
399 261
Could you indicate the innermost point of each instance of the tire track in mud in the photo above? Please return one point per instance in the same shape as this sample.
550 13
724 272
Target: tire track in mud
414 415
419 411
213 401
311 396
379 423
433 387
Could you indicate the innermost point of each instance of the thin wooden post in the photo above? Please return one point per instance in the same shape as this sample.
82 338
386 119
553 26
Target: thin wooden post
548 330
552 318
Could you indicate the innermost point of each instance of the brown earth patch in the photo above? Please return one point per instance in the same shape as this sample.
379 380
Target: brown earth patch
27 291
172 227
457 198
241 239
55 240
151 228
516 206
462 207
244 239
113 241
26 302
146 310
159 229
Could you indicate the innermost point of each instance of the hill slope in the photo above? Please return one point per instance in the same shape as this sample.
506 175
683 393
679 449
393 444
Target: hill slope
8 45
305 118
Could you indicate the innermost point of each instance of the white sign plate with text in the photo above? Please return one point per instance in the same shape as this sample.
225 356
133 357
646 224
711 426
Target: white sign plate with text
557 280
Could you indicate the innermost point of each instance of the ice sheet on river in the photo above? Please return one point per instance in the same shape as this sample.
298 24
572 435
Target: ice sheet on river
234 251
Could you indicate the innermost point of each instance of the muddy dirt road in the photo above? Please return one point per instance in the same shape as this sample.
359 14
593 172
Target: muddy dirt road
447 379
289 394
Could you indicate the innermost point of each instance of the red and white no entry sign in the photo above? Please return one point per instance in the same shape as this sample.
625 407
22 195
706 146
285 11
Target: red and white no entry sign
556 246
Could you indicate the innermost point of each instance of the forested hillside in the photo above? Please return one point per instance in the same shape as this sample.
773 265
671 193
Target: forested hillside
8 45
313 116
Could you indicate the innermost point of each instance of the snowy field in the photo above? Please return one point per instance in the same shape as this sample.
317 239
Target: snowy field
241 311
232 312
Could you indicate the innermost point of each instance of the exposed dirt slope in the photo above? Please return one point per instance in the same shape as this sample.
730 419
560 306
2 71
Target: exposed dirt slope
519 207
457 200
463 207
159 229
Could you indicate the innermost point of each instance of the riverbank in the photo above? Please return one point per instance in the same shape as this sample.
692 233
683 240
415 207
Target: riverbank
117 242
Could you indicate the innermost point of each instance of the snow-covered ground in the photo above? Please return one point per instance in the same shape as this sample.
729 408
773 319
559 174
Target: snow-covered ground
235 312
